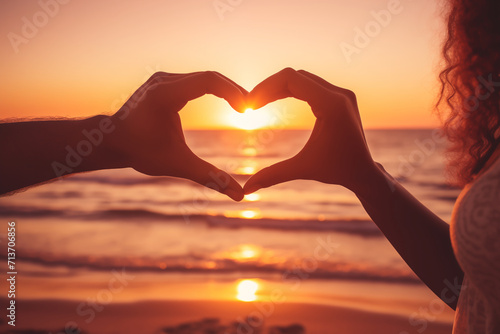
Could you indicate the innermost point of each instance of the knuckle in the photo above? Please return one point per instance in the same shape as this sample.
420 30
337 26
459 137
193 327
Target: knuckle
333 99
344 100
344 103
349 94
338 101
288 71
210 75
157 75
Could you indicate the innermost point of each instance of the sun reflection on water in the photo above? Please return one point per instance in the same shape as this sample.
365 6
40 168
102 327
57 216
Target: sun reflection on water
247 167
246 170
249 151
249 214
246 290
252 197
247 252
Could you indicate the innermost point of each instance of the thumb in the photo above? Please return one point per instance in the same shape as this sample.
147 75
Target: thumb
212 177
278 173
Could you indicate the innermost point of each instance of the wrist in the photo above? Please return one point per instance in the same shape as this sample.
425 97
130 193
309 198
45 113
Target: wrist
99 136
373 182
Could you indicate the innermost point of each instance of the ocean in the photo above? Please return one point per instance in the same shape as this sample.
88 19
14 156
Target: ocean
173 239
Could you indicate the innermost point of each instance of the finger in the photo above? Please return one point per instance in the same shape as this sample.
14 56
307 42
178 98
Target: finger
333 88
157 79
280 172
287 83
242 90
161 77
206 174
322 82
194 86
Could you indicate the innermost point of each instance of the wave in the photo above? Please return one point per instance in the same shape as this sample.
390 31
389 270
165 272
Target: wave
351 226
31 212
194 264
365 228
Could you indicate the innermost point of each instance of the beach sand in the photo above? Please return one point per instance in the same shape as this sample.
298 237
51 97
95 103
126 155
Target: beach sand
52 316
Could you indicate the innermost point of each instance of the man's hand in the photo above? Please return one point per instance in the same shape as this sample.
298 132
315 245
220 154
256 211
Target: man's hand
150 134
145 134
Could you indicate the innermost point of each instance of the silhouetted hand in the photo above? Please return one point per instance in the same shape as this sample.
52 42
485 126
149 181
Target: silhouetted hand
150 135
336 152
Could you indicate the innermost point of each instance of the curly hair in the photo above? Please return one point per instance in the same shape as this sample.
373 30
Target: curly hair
469 101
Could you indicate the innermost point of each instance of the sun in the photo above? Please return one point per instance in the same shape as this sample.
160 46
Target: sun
246 290
250 119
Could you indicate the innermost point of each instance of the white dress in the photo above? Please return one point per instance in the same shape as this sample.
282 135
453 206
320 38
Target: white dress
475 236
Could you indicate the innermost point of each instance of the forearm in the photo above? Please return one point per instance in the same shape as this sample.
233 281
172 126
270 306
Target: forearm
39 151
420 237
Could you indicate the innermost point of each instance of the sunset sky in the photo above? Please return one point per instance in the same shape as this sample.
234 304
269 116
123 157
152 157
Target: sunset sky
87 56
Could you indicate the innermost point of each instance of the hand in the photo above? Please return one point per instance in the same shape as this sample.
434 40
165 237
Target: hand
336 152
150 136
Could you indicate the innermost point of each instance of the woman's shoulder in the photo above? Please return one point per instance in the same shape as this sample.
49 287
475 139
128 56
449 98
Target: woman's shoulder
479 202
485 187
487 183
491 164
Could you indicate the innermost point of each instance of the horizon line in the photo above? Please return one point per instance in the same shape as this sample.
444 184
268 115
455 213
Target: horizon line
299 128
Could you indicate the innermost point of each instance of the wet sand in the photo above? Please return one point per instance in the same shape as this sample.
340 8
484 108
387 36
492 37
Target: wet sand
53 316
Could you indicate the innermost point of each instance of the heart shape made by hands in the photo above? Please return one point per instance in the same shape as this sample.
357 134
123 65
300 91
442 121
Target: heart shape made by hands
152 141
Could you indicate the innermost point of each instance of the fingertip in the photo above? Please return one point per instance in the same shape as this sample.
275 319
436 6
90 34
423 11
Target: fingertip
243 108
240 105
236 195
255 101
252 105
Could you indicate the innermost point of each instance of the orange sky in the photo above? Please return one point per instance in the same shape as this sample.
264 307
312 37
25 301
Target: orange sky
87 56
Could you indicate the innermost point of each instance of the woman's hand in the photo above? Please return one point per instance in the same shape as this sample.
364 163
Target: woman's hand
149 133
336 152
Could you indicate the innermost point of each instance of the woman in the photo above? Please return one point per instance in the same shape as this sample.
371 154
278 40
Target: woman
464 258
